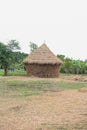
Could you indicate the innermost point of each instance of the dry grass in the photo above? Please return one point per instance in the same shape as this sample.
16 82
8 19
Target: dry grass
60 110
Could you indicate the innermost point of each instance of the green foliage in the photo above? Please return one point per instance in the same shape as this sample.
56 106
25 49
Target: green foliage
73 66
18 58
62 57
6 54
33 46
13 45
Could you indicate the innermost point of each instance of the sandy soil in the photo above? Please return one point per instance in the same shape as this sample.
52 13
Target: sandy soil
67 78
33 112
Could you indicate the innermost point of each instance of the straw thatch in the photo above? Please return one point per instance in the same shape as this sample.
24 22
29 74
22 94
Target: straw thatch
42 63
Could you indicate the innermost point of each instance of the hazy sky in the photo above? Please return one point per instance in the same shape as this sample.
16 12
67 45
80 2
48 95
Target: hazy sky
61 23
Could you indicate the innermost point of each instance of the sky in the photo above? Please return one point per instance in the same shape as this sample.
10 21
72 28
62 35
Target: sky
61 24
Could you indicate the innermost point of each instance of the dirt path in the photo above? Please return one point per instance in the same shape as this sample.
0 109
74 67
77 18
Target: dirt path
67 78
37 112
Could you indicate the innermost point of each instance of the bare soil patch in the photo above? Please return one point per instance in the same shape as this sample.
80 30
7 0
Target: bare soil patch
75 78
51 111
67 78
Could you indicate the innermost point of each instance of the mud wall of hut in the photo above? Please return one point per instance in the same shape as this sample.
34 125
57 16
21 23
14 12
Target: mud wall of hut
44 70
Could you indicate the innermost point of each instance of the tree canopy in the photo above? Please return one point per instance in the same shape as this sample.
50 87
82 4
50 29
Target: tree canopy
33 46
6 54
73 66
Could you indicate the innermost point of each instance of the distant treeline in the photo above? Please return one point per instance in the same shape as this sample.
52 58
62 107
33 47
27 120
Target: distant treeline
11 58
73 66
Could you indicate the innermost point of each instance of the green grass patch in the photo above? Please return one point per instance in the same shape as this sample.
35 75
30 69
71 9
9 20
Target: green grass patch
35 87
14 73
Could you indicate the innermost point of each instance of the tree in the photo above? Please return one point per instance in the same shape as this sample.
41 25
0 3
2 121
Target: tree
68 65
62 57
13 45
6 54
73 66
18 58
33 46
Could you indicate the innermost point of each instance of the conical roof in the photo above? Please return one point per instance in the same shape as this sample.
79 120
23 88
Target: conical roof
42 55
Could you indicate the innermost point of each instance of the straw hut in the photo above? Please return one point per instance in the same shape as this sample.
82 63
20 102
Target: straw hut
42 63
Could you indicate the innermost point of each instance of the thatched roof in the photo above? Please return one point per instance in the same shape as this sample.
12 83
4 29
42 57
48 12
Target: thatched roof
42 55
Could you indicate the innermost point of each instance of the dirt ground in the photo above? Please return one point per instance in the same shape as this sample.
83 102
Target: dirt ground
43 112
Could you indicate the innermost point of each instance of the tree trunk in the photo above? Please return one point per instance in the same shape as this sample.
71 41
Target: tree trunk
5 71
